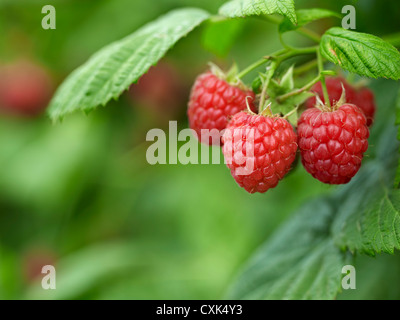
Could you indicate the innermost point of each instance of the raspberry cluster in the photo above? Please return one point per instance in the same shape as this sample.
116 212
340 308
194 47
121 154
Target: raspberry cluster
260 149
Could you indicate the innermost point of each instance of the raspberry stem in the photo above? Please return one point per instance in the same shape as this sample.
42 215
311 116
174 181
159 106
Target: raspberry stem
260 62
252 67
309 34
274 65
323 82
293 52
307 87
305 67
281 54
286 54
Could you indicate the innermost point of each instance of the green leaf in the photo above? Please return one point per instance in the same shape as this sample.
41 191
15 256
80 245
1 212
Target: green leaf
219 36
304 17
375 278
289 105
397 122
361 53
287 81
244 8
256 85
299 262
380 225
279 88
284 85
375 229
115 67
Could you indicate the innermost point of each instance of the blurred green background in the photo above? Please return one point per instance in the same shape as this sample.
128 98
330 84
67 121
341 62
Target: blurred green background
80 194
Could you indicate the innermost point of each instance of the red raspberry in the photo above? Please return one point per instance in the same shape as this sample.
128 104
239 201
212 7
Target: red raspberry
334 86
213 101
259 150
332 143
363 98
25 88
161 91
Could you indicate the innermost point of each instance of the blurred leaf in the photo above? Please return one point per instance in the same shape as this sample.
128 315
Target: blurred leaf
219 36
299 262
361 53
256 85
114 68
397 122
287 81
393 39
48 165
82 271
112 20
377 278
244 8
305 16
10 275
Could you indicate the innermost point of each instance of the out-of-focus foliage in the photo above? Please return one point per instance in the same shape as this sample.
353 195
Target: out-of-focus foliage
114 68
243 8
305 17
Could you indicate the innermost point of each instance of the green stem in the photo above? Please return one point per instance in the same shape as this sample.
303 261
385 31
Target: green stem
260 62
299 51
270 73
305 67
309 34
307 87
283 43
277 60
252 67
323 82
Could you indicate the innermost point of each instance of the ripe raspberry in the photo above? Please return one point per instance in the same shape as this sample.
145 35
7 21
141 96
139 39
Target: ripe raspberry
332 143
259 150
25 88
363 98
213 101
161 91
